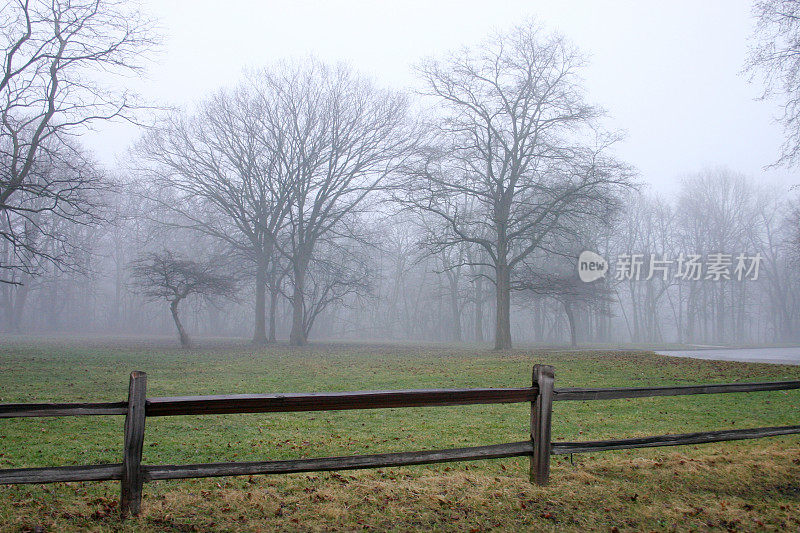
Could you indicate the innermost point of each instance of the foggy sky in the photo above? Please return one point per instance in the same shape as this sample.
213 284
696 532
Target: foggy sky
667 72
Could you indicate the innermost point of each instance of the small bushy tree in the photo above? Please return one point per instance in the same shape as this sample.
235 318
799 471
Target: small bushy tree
165 276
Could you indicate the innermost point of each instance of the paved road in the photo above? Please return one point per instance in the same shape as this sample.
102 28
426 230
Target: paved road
783 356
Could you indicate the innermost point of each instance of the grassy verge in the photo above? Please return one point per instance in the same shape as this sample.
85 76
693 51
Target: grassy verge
747 485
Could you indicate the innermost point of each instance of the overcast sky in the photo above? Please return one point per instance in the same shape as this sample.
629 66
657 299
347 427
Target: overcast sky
667 72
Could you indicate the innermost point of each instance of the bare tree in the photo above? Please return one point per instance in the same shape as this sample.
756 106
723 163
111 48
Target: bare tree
217 173
775 58
558 280
337 138
508 144
448 263
63 187
648 227
164 276
340 272
714 212
41 236
52 51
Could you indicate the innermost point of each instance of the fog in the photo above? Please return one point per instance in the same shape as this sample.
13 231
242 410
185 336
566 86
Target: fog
308 172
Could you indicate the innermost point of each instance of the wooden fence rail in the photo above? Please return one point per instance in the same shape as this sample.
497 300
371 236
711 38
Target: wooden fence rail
541 395
332 401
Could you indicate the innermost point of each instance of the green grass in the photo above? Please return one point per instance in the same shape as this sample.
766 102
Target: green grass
638 489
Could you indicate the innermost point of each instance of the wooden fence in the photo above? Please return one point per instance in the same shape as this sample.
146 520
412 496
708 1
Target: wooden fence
541 395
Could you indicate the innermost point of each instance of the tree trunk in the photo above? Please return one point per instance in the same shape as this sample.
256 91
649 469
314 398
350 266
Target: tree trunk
479 310
502 335
455 310
297 337
721 312
173 307
260 333
573 333
273 305
19 307
117 315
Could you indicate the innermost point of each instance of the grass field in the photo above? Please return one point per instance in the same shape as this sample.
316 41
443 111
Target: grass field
748 485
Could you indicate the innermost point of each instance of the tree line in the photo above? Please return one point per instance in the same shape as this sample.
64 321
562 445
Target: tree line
309 198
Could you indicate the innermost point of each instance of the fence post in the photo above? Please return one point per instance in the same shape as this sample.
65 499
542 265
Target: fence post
541 416
132 478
